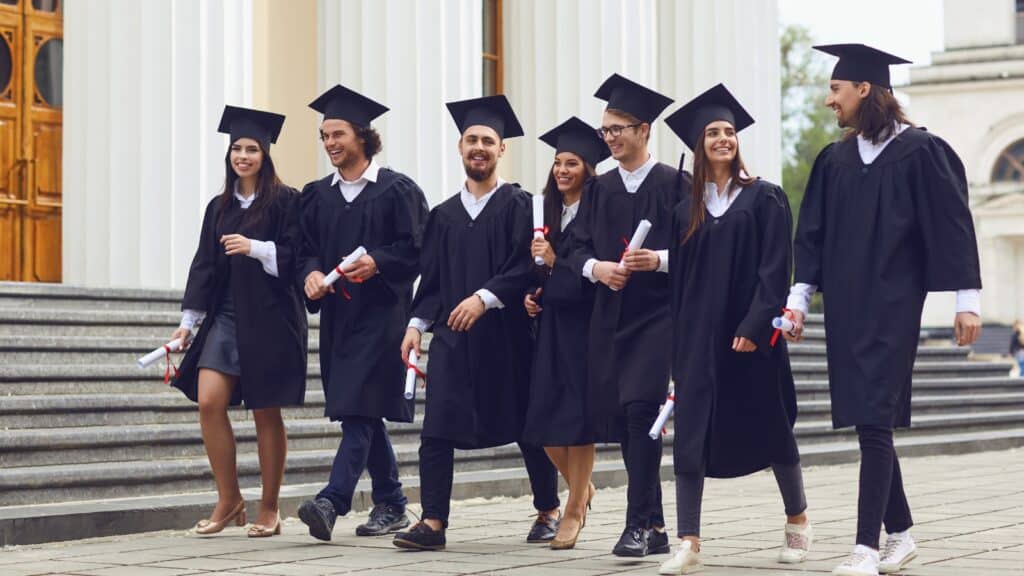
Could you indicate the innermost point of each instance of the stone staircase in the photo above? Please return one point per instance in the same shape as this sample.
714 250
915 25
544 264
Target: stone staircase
92 445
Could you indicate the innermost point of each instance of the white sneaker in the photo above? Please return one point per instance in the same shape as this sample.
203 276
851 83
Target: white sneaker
862 562
899 550
684 561
796 544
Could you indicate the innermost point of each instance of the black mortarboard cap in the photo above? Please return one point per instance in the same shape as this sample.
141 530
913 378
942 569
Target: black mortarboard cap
621 93
576 136
264 127
341 103
715 104
491 111
860 63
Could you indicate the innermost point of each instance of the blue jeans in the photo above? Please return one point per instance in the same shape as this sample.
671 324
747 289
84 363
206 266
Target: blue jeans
364 446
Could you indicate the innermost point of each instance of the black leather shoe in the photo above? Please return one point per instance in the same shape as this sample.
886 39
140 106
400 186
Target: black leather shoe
544 529
319 515
384 519
420 537
657 542
633 542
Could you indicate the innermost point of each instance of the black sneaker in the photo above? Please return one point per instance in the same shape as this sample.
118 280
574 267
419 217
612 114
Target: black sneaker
420 537
657 542
384 519
544 529
633 542
319 515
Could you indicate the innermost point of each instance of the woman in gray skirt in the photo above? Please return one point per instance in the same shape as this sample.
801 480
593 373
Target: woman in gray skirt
251 348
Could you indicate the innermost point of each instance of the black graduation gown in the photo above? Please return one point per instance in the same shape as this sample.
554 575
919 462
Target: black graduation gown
559 395
360 338
269 320
629 343
875 239
734 411
477 381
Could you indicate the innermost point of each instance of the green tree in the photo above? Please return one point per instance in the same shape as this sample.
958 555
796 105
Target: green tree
807 125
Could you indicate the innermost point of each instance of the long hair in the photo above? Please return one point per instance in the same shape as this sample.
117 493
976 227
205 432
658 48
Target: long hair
701 171
371 140
878 114
268 188
553 205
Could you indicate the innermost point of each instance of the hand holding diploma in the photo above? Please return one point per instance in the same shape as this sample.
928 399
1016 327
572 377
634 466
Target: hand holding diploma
161 352
538 225
659 424
639 236
412 371
342 269
796 330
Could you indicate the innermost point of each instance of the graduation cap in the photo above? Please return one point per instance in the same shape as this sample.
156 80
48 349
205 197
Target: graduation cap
341 103
860 63
715 104
263 127
621 93
491 111
576 136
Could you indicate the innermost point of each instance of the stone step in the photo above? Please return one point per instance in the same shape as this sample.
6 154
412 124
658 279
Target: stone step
819 389
69 482
34 295
804 352
38 523
97 317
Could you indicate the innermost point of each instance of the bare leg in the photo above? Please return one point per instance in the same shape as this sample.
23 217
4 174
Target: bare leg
272 442
578 468
215 390
559 456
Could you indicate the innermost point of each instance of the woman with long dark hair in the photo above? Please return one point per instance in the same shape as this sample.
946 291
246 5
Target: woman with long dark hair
730 266
558 417
251 343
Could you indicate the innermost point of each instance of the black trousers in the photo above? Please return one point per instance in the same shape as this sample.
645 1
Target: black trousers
364 446
880 497
437 468
642 457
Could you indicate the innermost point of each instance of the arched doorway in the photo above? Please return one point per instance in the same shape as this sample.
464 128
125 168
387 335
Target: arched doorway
31 102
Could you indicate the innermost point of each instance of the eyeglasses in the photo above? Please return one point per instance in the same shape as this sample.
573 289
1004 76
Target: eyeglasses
616 130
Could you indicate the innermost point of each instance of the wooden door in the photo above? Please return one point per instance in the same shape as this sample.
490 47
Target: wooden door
31 101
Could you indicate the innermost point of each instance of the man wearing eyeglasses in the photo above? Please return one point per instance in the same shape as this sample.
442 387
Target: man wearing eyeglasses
629 340
363 315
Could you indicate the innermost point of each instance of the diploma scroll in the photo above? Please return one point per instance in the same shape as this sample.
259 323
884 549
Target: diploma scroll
149 359
639 236
349 260
410 375
666 411
538 224
784 324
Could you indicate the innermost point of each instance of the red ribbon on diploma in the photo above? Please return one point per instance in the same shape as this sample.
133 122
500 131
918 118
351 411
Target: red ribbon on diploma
777 333
416 369
664 429
543 230
342 280
170 365
624 250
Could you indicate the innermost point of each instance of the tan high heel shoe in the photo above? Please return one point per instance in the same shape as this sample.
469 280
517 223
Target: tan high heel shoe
261 531
561 543
207 526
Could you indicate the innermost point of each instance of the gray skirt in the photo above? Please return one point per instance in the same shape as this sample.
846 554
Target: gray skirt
220 350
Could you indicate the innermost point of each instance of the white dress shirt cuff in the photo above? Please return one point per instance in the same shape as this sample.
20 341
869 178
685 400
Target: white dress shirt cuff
662 260
420 324
800 297
266 253
490 300
588 270
968 301
189 318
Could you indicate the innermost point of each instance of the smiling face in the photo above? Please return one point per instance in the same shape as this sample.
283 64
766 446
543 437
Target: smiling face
631 142
343 147
569 171
844 98
246 157
480 148
720 143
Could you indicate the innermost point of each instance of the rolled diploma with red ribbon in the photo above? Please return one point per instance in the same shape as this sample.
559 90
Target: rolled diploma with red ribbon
349 260
148 360
410 375
666 411
639 236
538 223
783 324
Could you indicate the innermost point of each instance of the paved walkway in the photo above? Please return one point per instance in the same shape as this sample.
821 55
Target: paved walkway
969 511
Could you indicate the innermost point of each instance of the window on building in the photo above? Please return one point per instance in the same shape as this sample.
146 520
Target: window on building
1020 21
493 68
1010 165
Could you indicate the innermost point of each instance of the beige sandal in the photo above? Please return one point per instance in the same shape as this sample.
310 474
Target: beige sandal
261 531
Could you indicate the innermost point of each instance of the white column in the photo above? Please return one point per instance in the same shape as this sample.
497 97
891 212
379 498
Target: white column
146 83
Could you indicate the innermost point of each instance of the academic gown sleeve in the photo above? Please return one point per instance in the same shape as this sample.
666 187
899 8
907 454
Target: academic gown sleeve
201 275
944 219
810 231
309 244
583 229
514 274
773 270
288 240
397 263
427 302
564 285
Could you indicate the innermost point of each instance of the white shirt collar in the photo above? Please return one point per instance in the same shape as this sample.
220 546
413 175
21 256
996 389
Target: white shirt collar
246 202
870 151
473 205
717 204
569 213
368 175
633 180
